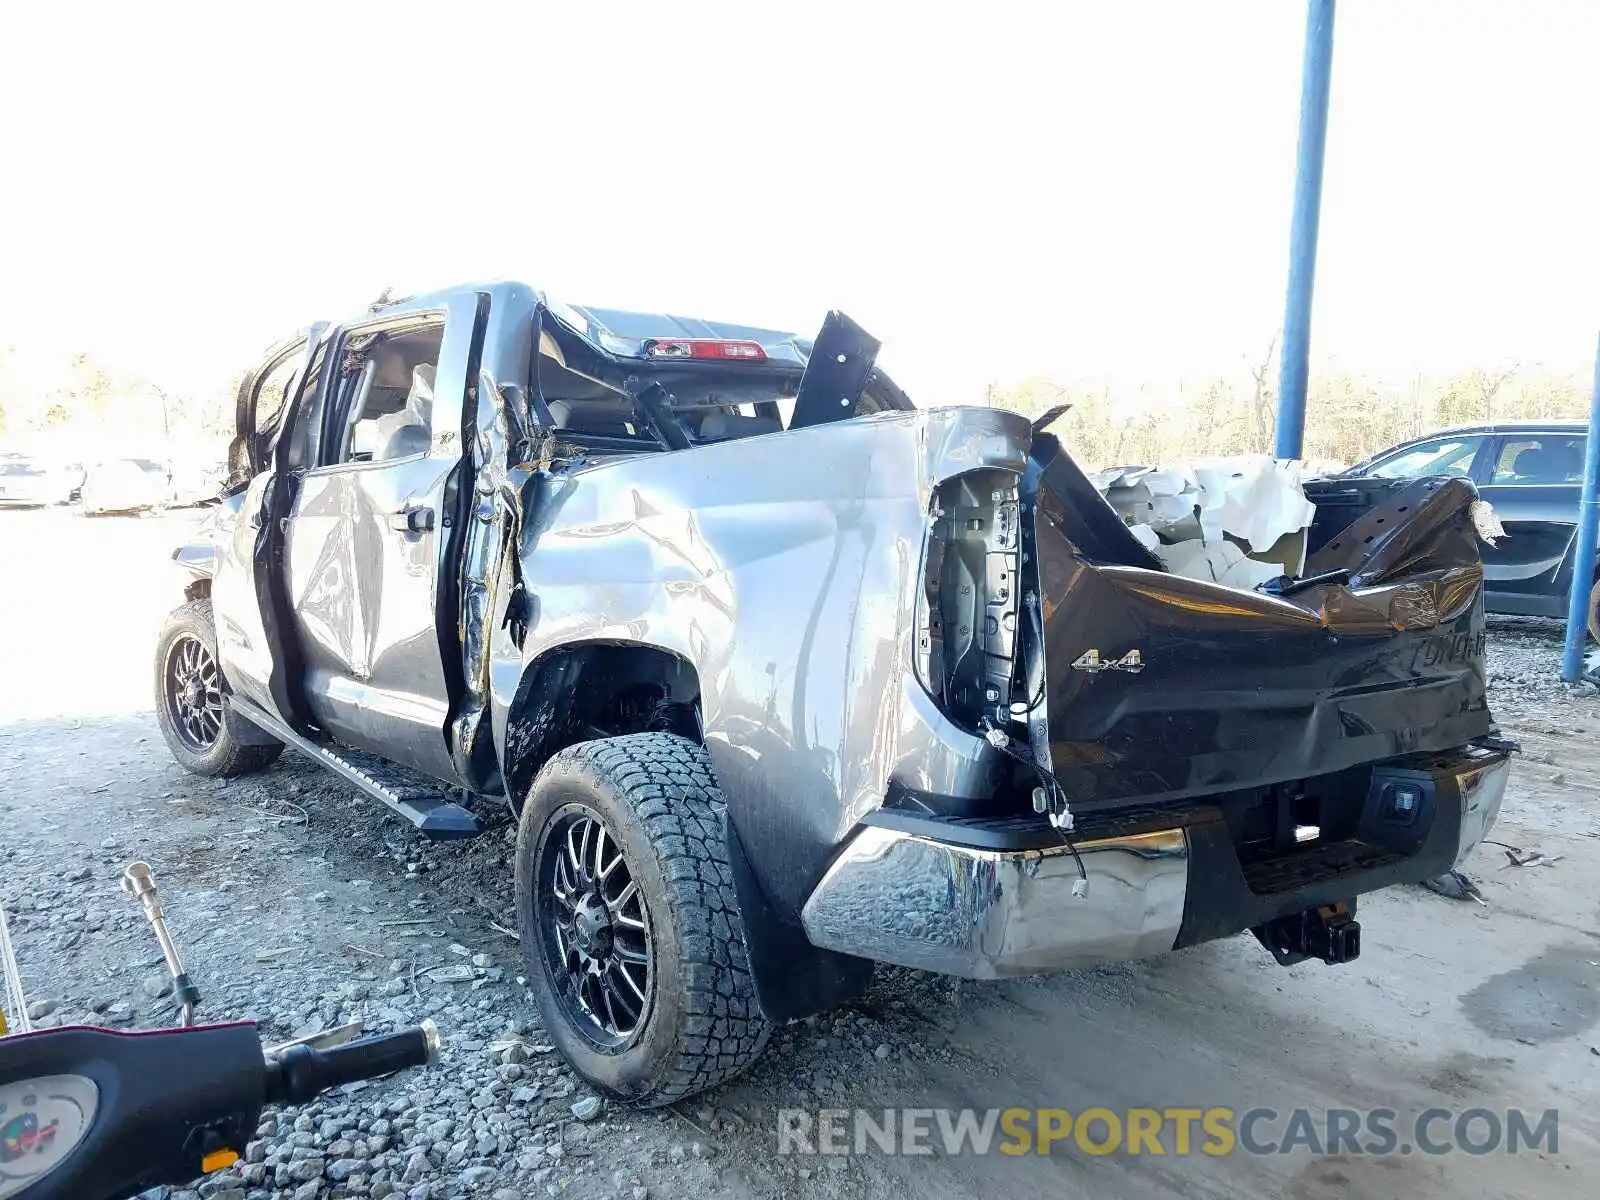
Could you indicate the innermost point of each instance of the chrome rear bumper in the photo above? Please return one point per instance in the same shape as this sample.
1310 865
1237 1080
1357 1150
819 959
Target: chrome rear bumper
900 898
1482 788
919 901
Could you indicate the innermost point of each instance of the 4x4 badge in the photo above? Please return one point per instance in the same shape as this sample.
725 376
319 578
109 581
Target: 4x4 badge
1090 660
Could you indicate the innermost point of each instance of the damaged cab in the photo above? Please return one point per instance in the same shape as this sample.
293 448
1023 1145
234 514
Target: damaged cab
781 677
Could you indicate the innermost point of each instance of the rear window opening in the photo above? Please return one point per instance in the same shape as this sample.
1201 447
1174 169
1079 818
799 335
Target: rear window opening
709 398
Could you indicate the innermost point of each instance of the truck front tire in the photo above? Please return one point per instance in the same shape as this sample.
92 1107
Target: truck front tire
629 921
203 733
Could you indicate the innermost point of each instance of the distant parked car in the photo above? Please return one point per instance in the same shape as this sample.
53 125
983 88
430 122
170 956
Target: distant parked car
1530 471
197 482
33 483
128 485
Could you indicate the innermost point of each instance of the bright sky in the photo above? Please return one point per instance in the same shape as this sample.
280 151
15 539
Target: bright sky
1082 189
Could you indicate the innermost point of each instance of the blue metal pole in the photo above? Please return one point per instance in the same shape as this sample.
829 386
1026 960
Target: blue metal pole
1583 560
1295 363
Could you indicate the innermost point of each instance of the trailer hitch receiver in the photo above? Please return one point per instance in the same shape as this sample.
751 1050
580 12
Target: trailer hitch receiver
1329 932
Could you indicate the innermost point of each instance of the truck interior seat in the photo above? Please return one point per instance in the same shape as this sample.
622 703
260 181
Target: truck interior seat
600 419
393 401
408 430
725 427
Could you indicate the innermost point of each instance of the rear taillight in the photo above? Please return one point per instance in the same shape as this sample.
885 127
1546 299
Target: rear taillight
716 349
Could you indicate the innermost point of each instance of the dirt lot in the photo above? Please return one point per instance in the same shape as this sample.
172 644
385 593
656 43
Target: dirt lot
301 904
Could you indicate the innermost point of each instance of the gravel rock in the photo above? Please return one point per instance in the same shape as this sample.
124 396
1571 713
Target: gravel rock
304 1170
417 1166
341 1169
588 1108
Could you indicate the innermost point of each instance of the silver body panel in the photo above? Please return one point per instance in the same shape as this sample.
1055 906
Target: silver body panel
785 570
364 601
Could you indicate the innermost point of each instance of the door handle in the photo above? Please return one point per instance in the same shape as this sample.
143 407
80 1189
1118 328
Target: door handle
413 518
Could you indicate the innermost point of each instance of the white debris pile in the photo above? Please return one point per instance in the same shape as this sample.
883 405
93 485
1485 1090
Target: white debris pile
1236 521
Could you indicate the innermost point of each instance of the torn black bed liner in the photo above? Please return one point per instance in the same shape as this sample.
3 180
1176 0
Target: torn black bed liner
1233 688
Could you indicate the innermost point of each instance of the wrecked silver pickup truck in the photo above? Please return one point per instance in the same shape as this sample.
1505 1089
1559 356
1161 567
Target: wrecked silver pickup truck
781 676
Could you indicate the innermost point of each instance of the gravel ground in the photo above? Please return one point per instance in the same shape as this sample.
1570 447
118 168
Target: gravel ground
302 905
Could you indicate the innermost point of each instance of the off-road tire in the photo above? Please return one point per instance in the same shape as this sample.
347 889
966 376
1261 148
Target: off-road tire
228 755
658 796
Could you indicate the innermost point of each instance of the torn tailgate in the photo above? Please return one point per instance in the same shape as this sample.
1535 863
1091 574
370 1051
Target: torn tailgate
1158 686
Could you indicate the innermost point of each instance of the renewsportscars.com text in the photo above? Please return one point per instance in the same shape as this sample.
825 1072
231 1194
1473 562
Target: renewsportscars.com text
1166 1131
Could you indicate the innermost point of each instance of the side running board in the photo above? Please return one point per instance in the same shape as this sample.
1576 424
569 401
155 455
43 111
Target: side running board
409 793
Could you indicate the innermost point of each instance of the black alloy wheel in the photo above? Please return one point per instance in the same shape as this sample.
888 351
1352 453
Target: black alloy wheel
203 732
596 936
629 919
193 693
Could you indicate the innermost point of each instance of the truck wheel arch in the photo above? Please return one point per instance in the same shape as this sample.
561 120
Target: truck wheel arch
578 691
608 679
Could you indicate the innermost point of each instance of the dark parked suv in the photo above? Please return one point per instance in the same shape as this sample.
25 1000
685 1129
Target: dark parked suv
1532 473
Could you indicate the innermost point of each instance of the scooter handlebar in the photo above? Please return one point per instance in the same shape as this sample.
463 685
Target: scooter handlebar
92 1114
301 1073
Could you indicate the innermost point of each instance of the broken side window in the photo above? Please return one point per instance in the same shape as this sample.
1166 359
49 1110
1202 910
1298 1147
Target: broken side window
306 396
383 406
272 393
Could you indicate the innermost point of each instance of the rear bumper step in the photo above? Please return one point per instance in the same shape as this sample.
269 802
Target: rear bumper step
417 798
943 896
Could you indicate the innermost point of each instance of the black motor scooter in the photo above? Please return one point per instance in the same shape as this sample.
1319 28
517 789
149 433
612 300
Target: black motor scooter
93 1114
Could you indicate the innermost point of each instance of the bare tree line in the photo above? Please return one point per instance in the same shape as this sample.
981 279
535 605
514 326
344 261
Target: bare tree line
1348 416
84 393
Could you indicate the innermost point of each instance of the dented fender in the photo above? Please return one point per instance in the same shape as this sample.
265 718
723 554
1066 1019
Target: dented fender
785 571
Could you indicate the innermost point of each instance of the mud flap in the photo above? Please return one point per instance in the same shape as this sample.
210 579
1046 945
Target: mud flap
793 978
